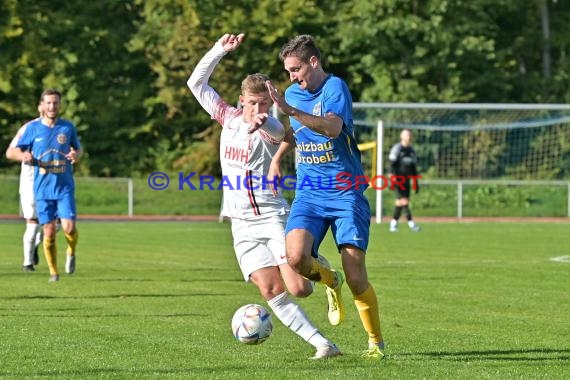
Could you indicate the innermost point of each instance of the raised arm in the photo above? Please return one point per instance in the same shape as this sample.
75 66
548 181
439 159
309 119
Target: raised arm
198 81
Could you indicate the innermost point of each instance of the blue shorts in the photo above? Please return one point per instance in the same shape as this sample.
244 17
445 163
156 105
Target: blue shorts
348 217
51 209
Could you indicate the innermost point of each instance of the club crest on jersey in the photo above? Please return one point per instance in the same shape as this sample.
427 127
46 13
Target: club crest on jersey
61 138
317 109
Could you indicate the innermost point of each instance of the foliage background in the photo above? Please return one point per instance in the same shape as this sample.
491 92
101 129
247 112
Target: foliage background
123 65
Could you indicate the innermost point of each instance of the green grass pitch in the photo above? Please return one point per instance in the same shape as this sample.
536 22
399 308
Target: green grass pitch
154 300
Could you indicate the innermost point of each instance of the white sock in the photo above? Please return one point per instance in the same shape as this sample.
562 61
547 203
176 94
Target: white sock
292 316
411 224
29 241
393 223
39 236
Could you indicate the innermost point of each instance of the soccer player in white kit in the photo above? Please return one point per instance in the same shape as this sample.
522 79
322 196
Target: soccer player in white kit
249 139
33 233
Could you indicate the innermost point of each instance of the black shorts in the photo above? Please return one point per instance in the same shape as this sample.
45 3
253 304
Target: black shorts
402 191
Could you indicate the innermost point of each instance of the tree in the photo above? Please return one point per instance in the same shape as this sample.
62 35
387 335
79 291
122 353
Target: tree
123 66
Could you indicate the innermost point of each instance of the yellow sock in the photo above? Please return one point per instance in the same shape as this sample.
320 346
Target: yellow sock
320 273
367 305
50 252
72 242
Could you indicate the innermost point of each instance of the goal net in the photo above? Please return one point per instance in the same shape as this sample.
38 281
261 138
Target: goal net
471 141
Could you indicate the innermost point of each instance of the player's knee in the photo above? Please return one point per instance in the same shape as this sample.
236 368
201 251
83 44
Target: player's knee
302 289
296 260
268 281
356 275
68 228
49 230
357 284
270 291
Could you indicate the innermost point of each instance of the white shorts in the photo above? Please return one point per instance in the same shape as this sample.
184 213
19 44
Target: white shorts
28 205
259 244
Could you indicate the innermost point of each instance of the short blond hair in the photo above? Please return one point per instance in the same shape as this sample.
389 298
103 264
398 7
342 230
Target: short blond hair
254 83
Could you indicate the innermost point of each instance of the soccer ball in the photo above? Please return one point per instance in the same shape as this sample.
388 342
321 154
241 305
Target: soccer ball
251 324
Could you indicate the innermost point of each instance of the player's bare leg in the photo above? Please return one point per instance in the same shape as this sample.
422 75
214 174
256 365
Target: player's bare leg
299 244
296 284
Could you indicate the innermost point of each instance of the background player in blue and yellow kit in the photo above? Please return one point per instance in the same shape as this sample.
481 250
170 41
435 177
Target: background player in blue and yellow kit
51 145
328 192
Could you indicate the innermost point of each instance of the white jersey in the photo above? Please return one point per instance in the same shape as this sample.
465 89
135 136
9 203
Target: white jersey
245 158
27 171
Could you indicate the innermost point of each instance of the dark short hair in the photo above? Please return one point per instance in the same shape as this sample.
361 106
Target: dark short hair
50 91
302 47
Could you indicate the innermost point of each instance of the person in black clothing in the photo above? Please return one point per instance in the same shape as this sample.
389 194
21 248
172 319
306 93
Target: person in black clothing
403 162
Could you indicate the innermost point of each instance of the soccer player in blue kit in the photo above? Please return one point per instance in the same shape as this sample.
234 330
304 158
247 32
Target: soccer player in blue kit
51 145
327 194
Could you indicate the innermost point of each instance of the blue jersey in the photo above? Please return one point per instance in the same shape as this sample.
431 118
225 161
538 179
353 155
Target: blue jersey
53 173
326 166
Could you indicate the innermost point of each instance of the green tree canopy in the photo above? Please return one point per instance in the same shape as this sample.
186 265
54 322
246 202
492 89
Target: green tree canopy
123 65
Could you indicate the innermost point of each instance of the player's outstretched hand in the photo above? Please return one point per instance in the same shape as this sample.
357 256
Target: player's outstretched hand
279 99
231 41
